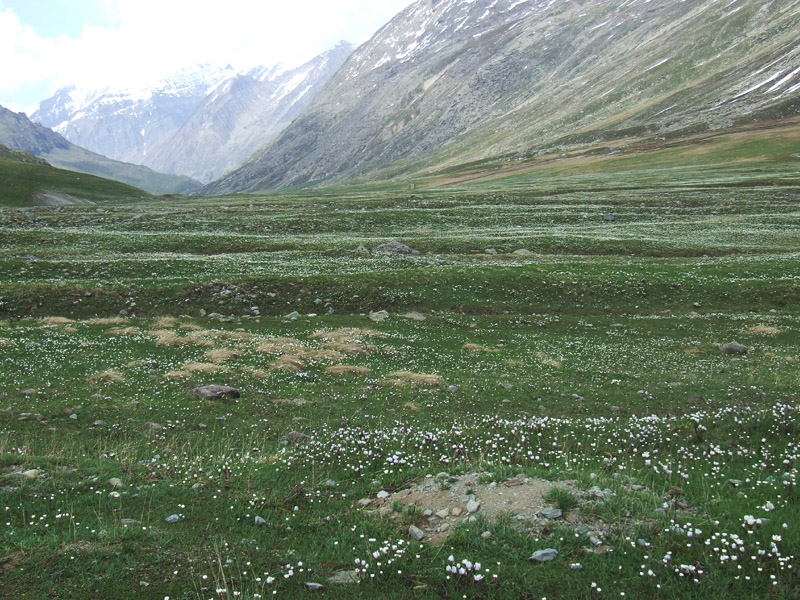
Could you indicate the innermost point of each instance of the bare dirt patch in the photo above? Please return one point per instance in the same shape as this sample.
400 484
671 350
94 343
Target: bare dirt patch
442 503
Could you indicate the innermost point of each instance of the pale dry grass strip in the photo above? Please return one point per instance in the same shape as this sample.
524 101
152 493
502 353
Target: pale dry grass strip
107 321
348 370
351 348
764 330
56 321
204 368
257 373
293 364
221 355
165 322
404 378
110 376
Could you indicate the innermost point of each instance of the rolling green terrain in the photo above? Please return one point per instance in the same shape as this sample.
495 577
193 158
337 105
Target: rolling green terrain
564 320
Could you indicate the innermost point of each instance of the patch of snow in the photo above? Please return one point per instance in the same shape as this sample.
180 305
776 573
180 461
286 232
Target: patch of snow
755 87
783 81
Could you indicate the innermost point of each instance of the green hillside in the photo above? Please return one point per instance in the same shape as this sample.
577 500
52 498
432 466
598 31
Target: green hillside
25 182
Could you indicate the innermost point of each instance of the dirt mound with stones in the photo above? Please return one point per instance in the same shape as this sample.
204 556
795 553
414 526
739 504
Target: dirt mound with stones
443 502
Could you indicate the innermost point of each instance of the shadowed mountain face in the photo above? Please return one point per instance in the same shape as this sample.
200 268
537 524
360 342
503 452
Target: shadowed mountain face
200 123
17 132
451 82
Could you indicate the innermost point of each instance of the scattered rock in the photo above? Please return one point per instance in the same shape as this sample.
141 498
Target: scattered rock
115 482
396 248
172 519
383 494
736 482
456 511
609 217
292 316
552 513
473 506
365 502
415 532
486 535
491 251
361 251
543 556
260 522
734 349
99 423
379 316
314 587
31 473
523 252
415 316
215 392
343 578
444 513
129 522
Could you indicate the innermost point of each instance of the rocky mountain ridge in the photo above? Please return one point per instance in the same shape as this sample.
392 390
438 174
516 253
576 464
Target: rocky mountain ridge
449 82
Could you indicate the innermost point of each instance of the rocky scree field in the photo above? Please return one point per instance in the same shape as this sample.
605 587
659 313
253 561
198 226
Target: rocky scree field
544 402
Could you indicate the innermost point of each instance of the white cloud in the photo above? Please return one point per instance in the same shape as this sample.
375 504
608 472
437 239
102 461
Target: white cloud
152 38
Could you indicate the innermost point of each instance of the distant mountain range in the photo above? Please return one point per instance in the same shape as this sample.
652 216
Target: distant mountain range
200 122
18 133
453 82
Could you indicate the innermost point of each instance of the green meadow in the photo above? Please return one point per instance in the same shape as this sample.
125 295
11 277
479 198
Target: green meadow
557 343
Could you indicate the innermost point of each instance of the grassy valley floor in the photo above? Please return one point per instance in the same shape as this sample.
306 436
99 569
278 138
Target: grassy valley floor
548 375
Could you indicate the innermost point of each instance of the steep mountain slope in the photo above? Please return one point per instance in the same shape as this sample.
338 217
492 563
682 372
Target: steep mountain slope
17 132
29 181
449 82
241 115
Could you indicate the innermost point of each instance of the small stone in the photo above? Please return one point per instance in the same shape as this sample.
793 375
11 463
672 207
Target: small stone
609 217
99 423
523 252
452 389
330 483
396 248
379 316
736 482
115 482
473 506
456 512
428 514
734 349
491 251
31 474
314 587
543 556
74 417
486 535
507 386
383 494
343 577
361 251
292 316
215 392
638 488
172 519
415 532
154 426
552 513
295 437
260 522
129 522
415 316
443 514
114 495
595 541
642 542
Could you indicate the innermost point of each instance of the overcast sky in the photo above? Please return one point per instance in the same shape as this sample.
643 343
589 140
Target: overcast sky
47 44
